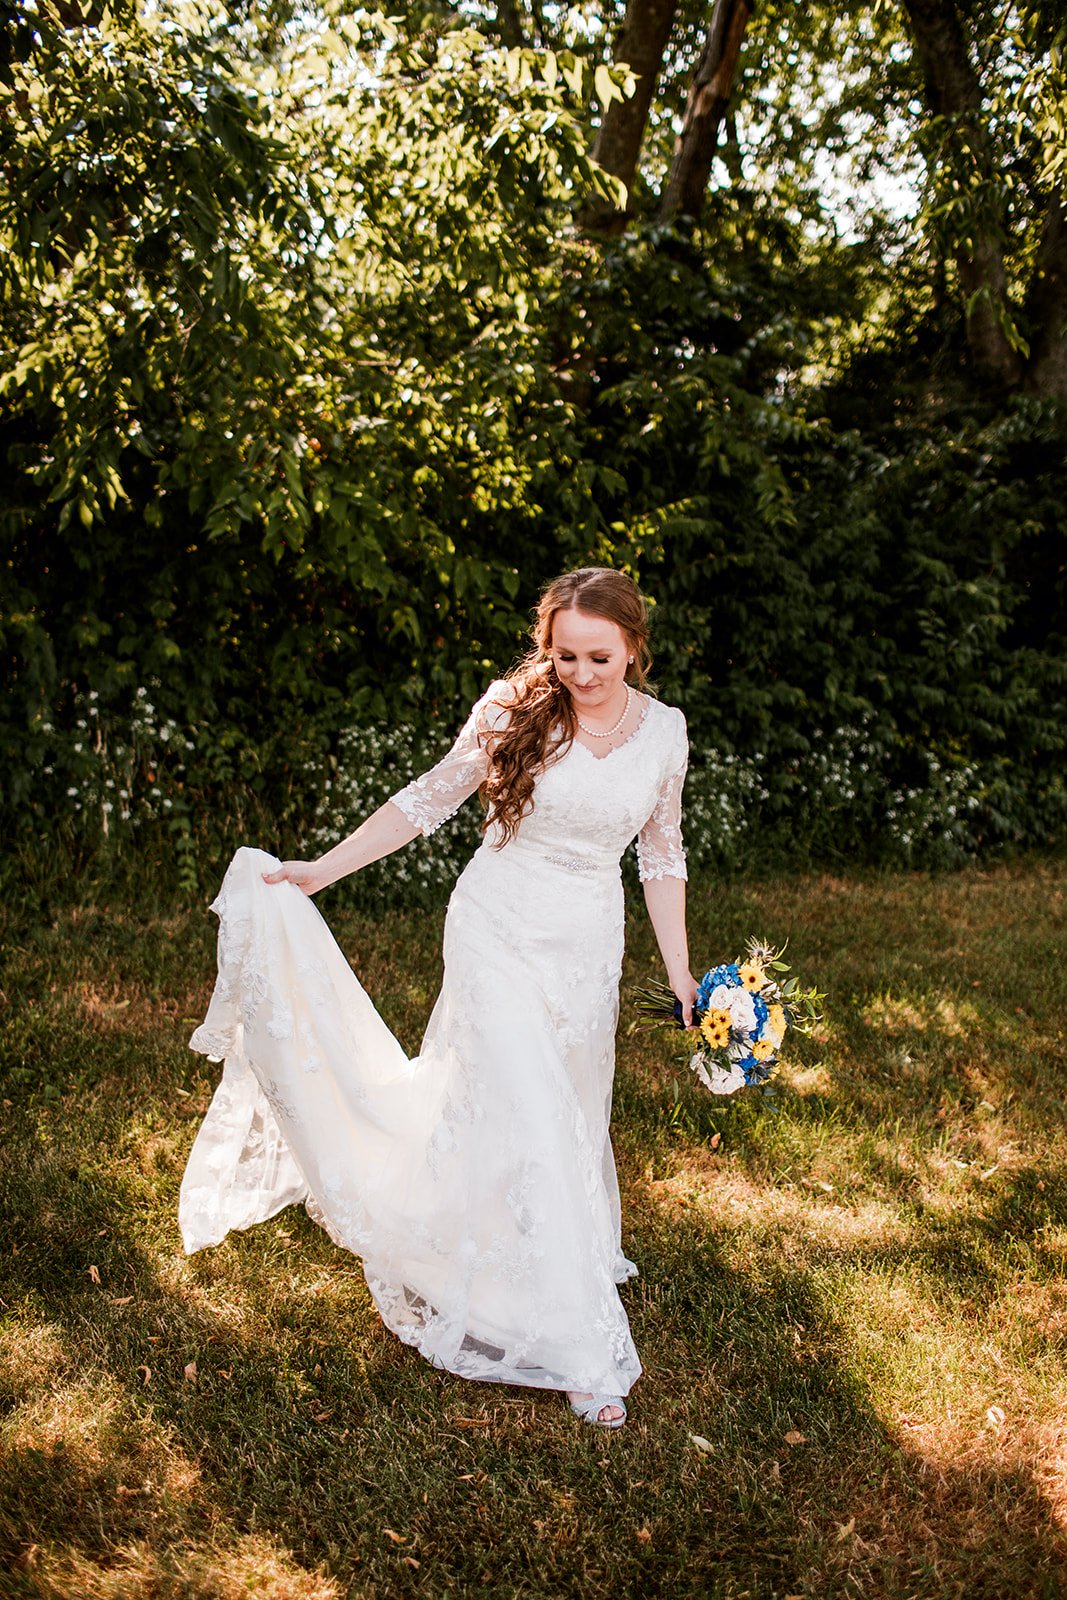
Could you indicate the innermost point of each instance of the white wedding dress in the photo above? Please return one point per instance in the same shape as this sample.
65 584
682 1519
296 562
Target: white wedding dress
476 1181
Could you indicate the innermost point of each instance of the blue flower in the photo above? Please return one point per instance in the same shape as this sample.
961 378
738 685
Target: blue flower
759 1006
755 1071
726 974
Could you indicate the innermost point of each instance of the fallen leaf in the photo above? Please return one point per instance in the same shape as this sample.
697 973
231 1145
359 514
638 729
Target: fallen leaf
397 1538
147 1373
644 1535
715 1141
844 1529
123 1300
411 1561
190 1371
322 1416
94 1273
793 1437
994 1417
705 1446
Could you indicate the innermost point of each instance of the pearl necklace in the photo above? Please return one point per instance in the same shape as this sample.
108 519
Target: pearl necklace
610 732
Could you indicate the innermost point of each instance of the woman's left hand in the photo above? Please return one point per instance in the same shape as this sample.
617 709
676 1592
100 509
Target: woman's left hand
685 988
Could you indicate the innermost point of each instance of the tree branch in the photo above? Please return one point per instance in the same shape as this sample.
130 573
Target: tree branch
641 42
709 97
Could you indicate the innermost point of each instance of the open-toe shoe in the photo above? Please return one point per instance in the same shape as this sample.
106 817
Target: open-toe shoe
589 1410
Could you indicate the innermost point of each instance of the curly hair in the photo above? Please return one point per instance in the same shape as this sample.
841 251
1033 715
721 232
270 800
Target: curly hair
541 722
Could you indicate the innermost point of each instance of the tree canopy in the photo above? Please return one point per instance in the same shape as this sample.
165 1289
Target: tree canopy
329 335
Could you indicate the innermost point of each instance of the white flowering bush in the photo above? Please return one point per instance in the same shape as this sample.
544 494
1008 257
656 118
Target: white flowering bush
855 794
845 798
372 763
117 772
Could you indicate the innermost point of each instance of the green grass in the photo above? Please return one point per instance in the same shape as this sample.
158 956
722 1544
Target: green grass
874 1271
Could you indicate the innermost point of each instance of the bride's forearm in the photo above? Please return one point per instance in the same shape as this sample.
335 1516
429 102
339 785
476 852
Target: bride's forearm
665 899
384 831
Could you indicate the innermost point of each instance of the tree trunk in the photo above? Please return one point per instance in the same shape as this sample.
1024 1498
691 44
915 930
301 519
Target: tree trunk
641 42
509 24
954 94
1046 372
709 97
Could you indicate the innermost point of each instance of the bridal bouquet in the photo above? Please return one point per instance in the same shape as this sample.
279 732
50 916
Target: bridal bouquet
742 1011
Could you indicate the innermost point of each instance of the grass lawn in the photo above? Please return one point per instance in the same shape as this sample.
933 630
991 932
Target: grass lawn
852 1311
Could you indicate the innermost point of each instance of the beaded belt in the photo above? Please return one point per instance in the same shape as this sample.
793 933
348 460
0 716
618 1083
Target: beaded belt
573 863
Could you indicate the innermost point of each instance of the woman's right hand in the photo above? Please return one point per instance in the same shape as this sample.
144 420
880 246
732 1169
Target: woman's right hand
307 875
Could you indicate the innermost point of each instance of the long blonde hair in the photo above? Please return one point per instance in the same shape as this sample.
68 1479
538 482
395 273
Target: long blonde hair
542 721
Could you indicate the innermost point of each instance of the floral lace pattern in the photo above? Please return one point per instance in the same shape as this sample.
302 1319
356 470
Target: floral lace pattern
477 1181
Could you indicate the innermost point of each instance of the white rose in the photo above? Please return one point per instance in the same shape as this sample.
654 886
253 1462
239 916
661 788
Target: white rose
738 1002
719 1079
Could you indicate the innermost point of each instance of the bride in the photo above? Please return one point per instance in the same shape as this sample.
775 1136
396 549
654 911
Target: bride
476 1181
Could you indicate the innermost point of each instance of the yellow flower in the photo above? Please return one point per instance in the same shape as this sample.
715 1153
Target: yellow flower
751 976
776 1025
716 1028
762 1049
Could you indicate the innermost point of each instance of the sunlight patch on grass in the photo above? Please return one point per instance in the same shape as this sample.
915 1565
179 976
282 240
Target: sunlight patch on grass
91 1434
767 1212
253 1565
31 1355
950 1381
951 1017
803 1081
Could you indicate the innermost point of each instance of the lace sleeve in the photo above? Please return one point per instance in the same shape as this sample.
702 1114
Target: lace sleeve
439 793
660 853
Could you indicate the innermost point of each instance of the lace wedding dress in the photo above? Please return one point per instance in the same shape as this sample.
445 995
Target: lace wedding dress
476 1181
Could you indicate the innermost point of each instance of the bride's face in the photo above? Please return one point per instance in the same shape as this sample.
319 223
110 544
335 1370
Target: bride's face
590 655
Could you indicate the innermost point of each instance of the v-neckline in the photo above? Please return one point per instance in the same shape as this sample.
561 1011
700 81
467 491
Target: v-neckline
634 731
